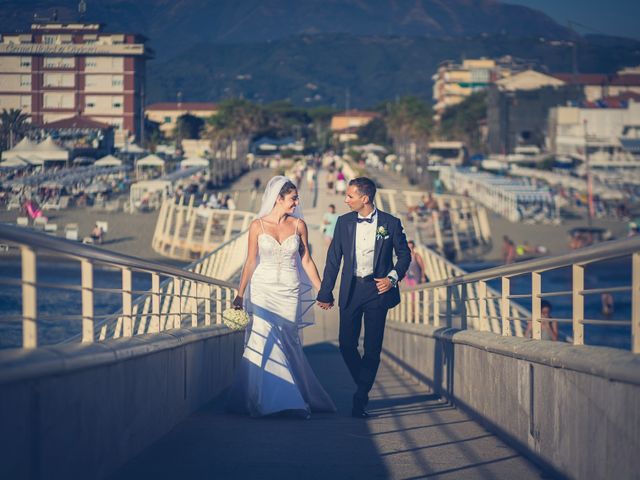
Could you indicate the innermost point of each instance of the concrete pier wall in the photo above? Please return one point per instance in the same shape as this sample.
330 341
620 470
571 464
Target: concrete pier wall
575 410
80 411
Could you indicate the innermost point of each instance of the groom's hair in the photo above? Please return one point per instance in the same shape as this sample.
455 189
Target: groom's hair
286 188
365 186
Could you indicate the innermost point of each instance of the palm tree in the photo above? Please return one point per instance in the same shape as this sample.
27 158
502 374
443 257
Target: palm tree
13 124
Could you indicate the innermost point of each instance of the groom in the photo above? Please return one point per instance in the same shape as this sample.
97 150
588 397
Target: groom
366 239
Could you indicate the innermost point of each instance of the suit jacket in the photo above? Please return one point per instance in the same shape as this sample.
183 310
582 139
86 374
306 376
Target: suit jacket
343 246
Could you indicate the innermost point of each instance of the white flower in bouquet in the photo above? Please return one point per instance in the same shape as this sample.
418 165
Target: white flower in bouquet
235 319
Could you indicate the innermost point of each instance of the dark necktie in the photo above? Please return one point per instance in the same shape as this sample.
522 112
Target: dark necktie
367 220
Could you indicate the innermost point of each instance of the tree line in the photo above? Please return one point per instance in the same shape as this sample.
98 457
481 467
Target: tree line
404 125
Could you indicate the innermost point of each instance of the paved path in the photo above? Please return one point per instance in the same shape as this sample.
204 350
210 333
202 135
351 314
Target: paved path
413 435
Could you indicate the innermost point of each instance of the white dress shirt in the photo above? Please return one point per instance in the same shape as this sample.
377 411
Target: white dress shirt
366 246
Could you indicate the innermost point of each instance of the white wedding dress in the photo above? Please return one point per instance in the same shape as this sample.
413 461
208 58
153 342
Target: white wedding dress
274 375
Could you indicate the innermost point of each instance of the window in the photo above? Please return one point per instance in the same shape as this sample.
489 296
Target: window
116 81
91 63
59 100
25 62
167 119
117 104
25 80
57 80
91 104
25 102
50 39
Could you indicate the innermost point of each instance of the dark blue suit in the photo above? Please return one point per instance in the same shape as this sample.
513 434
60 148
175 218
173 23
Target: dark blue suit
359 297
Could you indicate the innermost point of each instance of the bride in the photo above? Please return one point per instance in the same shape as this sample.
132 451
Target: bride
274 375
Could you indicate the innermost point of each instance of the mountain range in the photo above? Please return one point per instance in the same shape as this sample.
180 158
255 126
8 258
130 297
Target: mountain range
313 51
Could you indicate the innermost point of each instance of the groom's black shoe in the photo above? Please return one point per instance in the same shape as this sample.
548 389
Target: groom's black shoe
359 412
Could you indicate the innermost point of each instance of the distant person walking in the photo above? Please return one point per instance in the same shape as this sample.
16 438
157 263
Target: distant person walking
329 224
416 271
311 177
341 183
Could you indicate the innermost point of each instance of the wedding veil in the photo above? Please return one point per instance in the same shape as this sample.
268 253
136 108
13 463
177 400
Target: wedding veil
305 315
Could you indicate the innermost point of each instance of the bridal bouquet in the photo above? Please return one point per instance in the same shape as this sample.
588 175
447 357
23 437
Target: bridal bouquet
235 319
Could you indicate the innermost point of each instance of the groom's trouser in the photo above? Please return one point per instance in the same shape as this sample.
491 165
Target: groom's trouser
364 302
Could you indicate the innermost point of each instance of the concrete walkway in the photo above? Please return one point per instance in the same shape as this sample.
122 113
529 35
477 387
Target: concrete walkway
414 433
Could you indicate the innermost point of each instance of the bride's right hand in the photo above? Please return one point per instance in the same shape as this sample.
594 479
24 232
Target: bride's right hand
237 302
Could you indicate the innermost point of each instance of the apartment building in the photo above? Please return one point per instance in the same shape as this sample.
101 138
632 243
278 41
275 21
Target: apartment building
453 82
344 125
63 70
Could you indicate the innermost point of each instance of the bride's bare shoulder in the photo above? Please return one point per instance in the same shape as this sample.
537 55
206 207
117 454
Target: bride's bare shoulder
254 226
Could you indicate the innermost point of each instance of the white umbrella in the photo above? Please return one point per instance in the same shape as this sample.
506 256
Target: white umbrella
108 161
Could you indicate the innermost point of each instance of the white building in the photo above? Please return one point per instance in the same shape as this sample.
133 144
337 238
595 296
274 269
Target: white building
606 133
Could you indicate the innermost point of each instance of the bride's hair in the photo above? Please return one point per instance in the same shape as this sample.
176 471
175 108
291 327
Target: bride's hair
287 188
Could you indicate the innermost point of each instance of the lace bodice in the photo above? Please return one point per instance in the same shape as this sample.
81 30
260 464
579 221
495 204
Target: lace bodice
278 257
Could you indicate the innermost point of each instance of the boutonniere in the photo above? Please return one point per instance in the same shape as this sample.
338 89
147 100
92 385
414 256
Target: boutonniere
382 233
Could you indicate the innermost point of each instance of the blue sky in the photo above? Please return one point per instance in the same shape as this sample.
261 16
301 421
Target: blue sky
614 17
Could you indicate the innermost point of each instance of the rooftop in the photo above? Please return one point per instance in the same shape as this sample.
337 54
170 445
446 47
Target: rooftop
77 122
357 113
181 106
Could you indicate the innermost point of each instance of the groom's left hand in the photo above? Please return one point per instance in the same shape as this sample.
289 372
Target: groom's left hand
383 284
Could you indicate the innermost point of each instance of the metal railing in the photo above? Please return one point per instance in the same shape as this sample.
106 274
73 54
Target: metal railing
196 295
453 296
186 232
459 224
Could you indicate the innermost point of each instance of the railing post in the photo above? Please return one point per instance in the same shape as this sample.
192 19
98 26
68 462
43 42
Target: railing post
206 292
536 305
154 324
88 327
29 298
436 307
177 301
635 304
578 304
392 202
425 306
229 228
482 306
448 305
403 308
218 291
127 320
463 306
193 302
505 304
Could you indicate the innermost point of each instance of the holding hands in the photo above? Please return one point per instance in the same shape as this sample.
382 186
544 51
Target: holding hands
325 305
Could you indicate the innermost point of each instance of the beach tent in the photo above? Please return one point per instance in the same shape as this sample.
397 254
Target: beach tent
194 162
49 151
108 161
152 161
132 148
24 146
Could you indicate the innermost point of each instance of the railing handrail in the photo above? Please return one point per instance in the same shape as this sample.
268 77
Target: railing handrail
81 251
603 251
